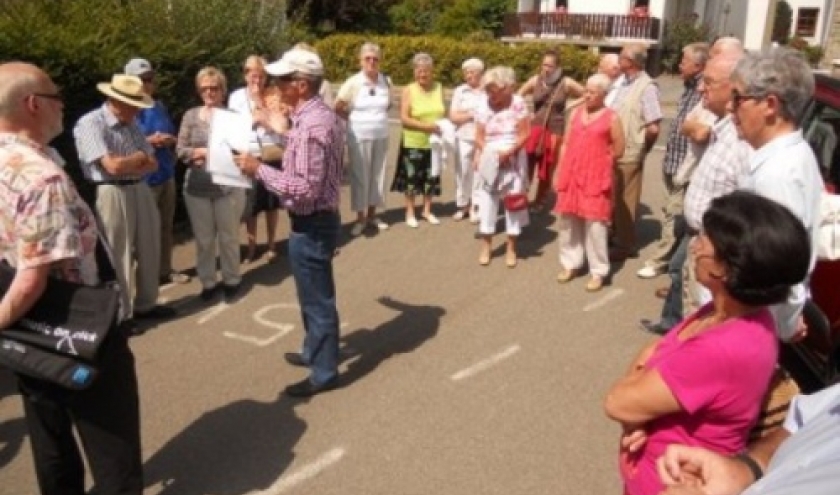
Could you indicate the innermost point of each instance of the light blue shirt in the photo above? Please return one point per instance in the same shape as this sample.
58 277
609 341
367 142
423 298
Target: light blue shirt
808 462
786 171
99 133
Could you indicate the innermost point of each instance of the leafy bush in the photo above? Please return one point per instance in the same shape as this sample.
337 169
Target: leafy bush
340 56
812 53
83 42
678 34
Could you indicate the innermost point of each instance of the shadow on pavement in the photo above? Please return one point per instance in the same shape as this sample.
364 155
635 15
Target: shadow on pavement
241 447
414 325
12 430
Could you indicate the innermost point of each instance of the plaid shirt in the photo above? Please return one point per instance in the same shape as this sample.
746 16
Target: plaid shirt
677 147
725 161
311 176
99 133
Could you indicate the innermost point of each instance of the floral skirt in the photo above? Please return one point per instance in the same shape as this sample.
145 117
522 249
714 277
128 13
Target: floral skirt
413 175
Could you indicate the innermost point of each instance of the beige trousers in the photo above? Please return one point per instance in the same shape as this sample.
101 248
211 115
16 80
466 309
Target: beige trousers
674 197
626 194
578 236
215 223
131 224
165 198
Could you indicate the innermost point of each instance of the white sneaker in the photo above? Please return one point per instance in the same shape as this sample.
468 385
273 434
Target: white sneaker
379 224
459 215
431 219
648 272
411 222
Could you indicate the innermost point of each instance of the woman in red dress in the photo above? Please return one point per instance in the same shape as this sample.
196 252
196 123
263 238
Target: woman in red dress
594 140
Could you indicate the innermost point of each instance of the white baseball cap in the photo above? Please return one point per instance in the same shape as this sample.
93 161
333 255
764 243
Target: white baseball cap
296 60
138 67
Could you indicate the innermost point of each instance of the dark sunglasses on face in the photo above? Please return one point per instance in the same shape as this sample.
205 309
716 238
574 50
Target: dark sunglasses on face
51 96
738 98
371 59
208 88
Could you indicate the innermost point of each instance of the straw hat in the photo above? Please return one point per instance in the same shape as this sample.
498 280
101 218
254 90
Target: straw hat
127 89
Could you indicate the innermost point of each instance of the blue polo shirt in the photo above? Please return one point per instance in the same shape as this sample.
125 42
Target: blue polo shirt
150 121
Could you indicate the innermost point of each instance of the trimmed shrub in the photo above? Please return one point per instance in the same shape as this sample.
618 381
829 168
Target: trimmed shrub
340 56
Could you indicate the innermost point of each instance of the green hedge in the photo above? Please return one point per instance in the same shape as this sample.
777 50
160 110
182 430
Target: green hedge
340 56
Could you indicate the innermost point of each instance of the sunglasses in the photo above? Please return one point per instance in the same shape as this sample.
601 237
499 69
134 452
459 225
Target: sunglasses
208 88
371 59
372 92
50 96
738 98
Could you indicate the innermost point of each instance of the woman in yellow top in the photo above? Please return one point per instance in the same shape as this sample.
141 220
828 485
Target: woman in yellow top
422 106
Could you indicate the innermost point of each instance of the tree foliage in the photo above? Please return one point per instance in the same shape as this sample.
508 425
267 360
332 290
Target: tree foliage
782 21
678 34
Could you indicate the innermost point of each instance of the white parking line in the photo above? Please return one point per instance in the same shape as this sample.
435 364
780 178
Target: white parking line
213 312
305 473
609 296
485 364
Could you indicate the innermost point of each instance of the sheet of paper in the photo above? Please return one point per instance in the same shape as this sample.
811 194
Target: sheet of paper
229 132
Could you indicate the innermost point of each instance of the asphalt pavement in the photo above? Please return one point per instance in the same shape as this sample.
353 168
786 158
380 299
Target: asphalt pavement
457 379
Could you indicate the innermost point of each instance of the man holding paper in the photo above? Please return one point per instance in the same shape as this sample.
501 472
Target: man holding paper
308 187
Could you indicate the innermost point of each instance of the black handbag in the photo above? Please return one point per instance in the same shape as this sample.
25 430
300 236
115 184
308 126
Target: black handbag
60 338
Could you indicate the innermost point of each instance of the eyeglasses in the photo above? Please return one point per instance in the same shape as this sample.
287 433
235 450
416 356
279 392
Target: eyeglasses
371 59
208 88
50 96
738 98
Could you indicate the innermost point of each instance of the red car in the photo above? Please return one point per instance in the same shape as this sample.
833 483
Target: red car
815 362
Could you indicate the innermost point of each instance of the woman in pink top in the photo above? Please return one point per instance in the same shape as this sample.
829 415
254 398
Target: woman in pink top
703 383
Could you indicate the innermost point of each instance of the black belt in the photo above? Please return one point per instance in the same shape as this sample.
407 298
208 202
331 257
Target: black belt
118 182
315 214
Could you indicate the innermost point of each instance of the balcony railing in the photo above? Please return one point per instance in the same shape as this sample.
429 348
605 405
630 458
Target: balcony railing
580 26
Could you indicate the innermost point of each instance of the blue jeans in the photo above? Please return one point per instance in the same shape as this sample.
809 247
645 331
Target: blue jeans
672 310
312 244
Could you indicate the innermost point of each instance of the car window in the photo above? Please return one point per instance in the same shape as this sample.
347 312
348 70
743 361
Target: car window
822 130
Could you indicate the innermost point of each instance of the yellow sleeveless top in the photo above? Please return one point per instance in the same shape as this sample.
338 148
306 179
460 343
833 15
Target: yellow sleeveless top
426 106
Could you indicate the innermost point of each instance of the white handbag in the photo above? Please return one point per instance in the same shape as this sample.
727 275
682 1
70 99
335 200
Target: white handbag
828 244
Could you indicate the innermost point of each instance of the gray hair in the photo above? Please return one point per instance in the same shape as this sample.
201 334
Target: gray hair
601 81
637 53
728 45
422 59
473 64
499 76
779 71
698 52
370 47
15 85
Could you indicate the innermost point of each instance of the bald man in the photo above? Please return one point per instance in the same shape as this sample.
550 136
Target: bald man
49 231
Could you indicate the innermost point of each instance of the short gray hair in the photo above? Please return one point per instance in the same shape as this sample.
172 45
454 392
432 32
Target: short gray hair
14 87
422 59
473 64
728 45
779 71
698 52
370 47
602 81
499 76
637 53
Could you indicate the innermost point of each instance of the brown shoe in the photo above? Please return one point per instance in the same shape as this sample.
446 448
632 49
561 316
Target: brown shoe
662 292
566 275
595 283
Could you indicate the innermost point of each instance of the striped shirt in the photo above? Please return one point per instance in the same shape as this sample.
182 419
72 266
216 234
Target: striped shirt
725 161
677 147
99 133
311 176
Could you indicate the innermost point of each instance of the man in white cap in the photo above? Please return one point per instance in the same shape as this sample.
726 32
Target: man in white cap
308 186
155 123
115 156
